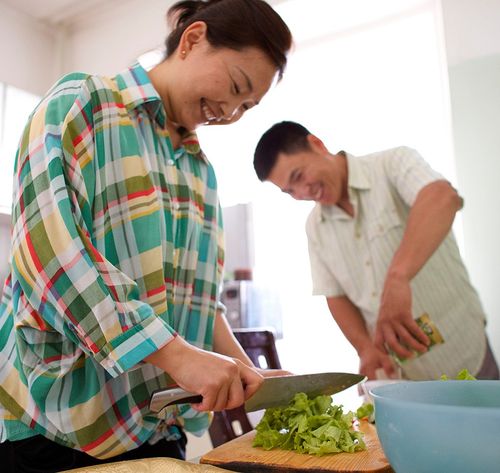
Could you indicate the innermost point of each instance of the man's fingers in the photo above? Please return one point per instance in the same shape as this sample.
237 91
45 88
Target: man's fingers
379 340
419 335
393 343
408 339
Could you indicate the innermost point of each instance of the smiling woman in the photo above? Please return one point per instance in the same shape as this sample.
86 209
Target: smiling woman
231 63
117 250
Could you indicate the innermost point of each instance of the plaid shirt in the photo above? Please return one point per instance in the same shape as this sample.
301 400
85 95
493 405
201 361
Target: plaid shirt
116 248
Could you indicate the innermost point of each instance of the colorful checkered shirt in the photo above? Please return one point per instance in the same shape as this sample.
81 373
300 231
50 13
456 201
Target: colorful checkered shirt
116 247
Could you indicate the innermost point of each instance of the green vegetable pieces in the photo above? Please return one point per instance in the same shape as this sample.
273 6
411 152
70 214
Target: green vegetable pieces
462 375
313 426
365 411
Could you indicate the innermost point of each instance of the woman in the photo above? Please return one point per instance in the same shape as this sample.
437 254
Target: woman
117 250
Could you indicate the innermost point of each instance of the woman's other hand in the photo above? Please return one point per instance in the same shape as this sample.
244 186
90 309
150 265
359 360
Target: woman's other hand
223 382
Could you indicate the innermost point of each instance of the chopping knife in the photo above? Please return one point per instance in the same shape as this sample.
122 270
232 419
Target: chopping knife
275 391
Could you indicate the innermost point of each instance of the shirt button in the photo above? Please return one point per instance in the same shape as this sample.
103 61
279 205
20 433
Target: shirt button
380 228
358 235
368 263
170 162
374 294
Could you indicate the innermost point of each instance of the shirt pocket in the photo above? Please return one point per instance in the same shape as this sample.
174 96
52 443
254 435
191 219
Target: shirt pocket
384 224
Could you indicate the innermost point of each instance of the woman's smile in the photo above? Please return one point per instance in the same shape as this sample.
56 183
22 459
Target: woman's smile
208 113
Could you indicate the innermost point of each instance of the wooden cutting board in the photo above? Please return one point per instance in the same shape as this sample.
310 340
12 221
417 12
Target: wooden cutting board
239 455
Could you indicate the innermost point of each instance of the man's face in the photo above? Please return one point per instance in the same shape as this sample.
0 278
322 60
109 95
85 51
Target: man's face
311 174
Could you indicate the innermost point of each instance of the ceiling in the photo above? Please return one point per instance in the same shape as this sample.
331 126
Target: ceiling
55 11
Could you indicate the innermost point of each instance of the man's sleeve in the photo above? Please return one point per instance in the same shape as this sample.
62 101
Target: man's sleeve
323 280
409 173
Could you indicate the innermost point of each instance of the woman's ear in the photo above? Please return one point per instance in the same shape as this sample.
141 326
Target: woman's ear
195 34
316 144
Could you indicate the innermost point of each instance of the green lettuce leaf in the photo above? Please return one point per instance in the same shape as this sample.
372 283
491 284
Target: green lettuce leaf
462 375
312 426
365 411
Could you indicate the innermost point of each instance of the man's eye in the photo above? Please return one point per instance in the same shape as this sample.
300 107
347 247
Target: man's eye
236 88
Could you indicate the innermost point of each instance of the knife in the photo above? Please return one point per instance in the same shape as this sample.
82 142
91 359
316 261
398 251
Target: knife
275 391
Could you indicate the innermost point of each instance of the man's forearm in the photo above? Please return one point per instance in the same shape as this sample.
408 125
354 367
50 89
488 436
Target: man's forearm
350 321
429 222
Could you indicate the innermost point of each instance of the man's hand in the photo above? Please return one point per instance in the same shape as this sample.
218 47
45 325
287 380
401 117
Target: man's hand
396 330
223 382
371 359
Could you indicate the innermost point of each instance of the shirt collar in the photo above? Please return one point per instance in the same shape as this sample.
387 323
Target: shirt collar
137 90
358 178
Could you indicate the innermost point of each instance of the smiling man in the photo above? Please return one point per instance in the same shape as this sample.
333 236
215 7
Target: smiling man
383 255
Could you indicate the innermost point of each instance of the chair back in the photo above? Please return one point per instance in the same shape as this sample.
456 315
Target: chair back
259 345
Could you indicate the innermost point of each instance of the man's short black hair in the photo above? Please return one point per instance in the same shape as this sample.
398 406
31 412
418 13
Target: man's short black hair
284 137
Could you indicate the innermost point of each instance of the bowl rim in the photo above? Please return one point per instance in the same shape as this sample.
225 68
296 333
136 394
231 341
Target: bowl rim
378 393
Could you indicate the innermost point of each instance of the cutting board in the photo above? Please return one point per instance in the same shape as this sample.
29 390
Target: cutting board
239 455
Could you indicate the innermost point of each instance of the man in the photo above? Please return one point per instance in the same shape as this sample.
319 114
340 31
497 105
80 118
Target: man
382 253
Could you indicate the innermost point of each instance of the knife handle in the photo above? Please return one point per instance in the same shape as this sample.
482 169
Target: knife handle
167 397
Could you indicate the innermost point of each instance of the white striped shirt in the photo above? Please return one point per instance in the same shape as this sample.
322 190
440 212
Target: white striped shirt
350 256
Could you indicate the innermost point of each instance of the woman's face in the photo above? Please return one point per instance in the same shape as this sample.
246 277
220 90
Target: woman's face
215 86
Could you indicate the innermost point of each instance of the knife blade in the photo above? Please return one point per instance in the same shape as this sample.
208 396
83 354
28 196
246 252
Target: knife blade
275 391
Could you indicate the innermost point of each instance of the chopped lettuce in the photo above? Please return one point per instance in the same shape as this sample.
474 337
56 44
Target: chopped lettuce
313 426
462 375
365 411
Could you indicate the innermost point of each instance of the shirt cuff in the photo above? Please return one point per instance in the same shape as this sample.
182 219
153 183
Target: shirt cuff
221 308
132 346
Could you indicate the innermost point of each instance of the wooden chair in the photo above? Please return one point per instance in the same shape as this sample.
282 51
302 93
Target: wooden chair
260 346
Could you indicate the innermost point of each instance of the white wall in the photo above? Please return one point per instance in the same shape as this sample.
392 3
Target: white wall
28 50
103 43
473 49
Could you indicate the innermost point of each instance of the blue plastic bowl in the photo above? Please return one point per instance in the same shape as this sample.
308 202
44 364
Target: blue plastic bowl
440 426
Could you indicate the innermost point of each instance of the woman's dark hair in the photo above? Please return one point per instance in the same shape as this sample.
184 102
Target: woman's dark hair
234 24
284 137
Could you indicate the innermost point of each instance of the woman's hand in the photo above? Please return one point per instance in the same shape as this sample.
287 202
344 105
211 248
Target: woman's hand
223 382
269 373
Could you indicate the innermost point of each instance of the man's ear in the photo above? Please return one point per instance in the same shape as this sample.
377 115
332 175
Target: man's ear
316 144
193 35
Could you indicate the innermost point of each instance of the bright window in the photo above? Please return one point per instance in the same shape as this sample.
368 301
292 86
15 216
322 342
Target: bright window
365 76
15 108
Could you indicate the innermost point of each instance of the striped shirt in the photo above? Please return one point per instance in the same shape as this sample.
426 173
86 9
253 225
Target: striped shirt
350 257
116 248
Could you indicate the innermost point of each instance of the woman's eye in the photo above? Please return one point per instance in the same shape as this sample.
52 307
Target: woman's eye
245 107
